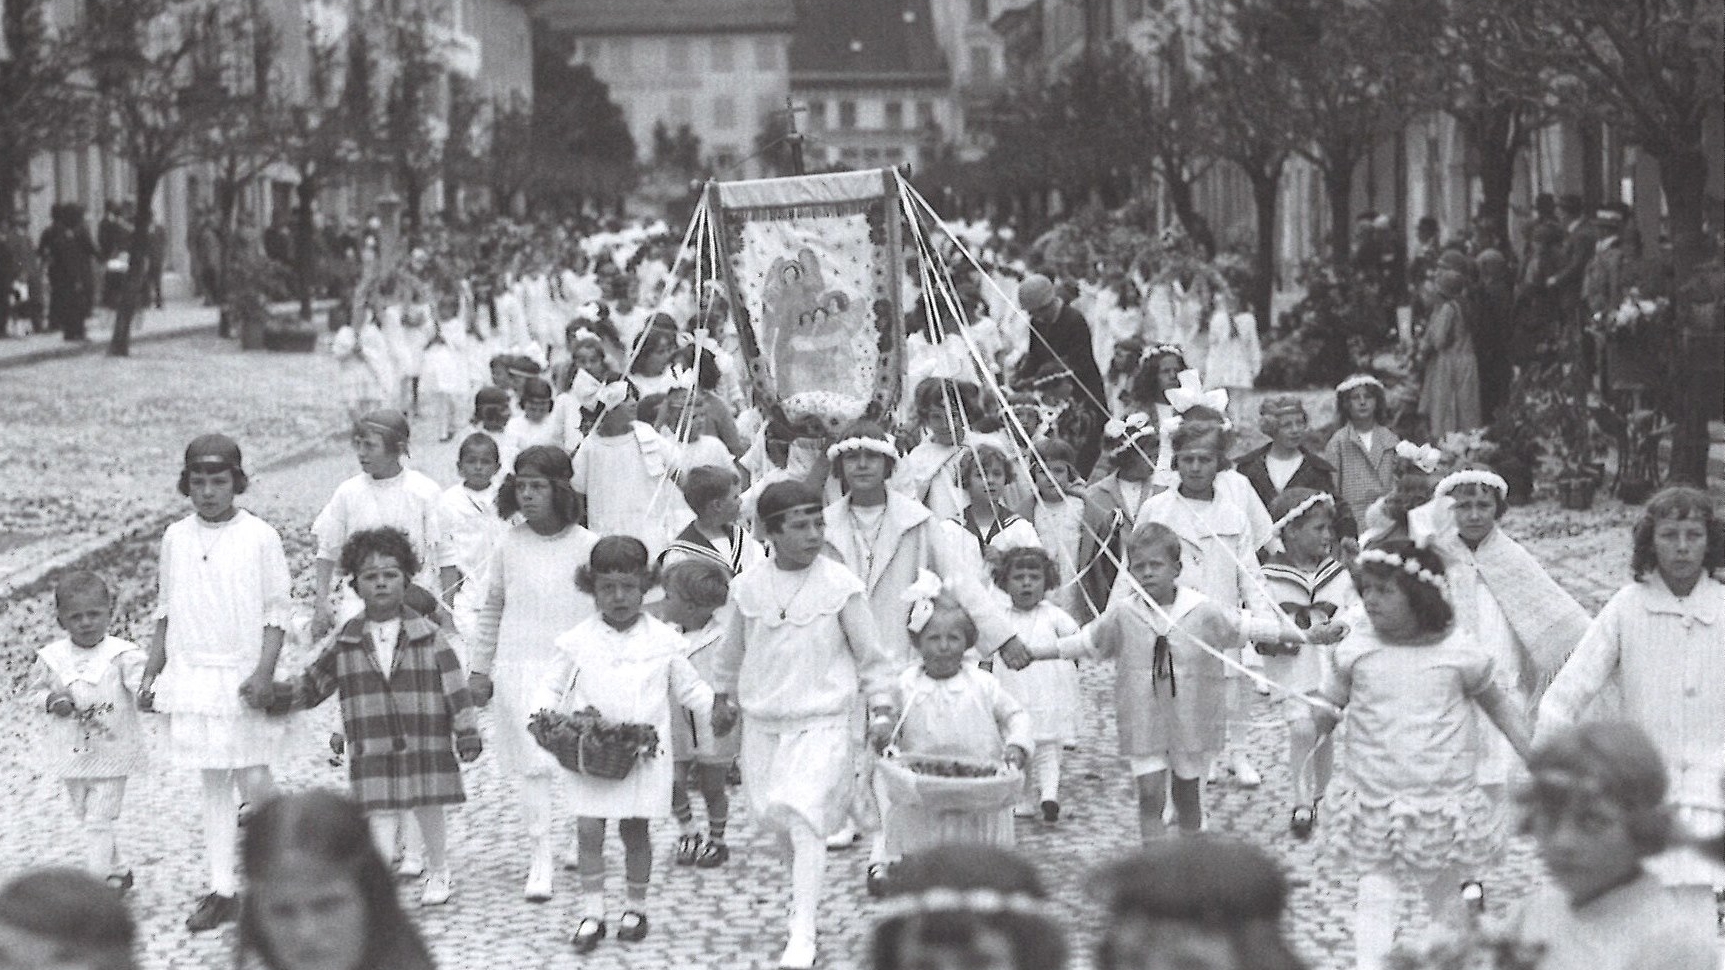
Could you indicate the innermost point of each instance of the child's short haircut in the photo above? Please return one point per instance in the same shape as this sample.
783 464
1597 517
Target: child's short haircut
1157 536
1053 450
1291 499
1677 502
1614 760
478 442
945 604
1193 430
80 583
386 541
1226 884
1034 557
1430 606
615 554
781 498
536 389
1272 410
702 582
705 484
938 396
83 916
983 457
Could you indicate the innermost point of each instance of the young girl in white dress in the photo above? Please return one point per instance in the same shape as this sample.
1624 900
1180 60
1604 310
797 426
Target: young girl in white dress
623 473
443 381
1048 689
532 599
472 529
629 666
85 687
1408 810
1057 514
221 615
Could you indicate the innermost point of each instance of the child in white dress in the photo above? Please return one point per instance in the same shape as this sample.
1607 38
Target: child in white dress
86 685
629 666
221 615
534 425
472 529
1048 689
949 709
1057 514
443 381
363 361
531 599
623 473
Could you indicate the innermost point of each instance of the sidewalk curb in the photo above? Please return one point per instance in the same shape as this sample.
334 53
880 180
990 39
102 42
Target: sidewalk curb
33 578
63 350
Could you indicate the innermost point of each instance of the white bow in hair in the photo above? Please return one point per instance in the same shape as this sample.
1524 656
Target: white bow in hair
1191 394
1424 457
613 394
590 310
584 388
1120 427
921 596
683 377
583 334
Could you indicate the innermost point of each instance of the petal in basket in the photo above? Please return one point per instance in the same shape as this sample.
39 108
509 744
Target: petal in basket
588 744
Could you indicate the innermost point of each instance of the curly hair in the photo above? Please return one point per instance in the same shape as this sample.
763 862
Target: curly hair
1614 760
1147 386
385 541
1380 413
1677 502
616 554
982 457
1430 604
1003 563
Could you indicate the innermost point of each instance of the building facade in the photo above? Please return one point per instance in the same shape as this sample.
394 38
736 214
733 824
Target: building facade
722 67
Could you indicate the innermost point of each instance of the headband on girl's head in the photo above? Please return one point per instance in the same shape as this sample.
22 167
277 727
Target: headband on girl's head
1358 380
1472 476
1157 350
982 902
1321 498
921 596
879 446
1410 566
1424 457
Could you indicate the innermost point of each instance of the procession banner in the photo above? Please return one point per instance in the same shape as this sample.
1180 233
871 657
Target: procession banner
813 267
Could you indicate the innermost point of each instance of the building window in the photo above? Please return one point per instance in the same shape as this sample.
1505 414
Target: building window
722 54
817 115
724 112
677 55
925 114
894 156
871 157
766 54
847 115
894 115
679 110
850 156
979 11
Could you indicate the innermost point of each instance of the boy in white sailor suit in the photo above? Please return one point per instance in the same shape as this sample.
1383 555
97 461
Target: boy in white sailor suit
714 494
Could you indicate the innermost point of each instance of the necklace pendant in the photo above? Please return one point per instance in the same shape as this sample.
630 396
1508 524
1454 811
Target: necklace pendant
783 613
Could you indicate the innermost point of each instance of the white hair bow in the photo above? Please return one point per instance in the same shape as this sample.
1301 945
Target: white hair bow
584 388
583 334
1121 427
683 377
1424 457
921 596
613 394
1191 394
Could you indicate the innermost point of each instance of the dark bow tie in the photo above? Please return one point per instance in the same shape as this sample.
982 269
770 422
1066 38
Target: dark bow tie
1306 617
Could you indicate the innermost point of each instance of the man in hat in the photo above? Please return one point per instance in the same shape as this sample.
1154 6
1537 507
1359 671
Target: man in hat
1060 334
1578 244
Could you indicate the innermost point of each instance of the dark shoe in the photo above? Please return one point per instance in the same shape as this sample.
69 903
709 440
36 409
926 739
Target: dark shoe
120 882
1050 811
878 875
713 855
734 774
213 910
1301 823
588 933
688 847
632 926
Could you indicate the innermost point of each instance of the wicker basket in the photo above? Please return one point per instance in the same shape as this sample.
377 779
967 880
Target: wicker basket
581 752
907 784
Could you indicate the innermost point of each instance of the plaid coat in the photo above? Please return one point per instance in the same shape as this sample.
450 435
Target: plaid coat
400 730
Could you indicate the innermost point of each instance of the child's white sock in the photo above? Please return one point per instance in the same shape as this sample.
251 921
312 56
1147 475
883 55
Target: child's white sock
431 825
808 875
1046 761
1375 919
221 830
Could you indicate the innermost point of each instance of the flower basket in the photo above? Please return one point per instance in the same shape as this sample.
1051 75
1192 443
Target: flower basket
588 744
949 784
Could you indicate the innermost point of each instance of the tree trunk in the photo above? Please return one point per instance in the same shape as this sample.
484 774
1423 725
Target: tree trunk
227 203
132 290
305 250
412 194
1265 182
1497 136
1186 209
1338 172
1683 178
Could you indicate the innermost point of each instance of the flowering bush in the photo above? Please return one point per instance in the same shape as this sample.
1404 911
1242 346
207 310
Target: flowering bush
1634 315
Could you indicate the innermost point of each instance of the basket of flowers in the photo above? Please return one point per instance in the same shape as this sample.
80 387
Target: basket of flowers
943 784
586 743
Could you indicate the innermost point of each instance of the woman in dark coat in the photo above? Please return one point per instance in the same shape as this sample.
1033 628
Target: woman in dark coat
70 256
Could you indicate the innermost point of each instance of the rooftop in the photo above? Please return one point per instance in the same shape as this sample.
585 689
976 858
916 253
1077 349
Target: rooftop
866 42
666 16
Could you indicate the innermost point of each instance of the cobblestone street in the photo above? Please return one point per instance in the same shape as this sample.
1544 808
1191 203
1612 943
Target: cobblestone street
726 918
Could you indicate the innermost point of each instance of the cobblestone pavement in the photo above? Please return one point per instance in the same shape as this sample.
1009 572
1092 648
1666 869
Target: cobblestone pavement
725 918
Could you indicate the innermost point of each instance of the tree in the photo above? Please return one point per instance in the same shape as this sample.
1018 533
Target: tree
773 145
1244 96
468 146
582 149
677 151
161 77
1175 127
509 153
1652 69
1356 70
38 108
414 130
1093 116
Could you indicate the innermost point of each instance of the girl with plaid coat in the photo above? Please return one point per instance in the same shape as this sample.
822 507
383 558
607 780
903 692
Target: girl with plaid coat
405 728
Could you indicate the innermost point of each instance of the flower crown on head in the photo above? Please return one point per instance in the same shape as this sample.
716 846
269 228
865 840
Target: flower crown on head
1358 380
980 901
880 446
1410 566
1425 457
1294 514
921 596
1472 476
1128 429
1157 350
